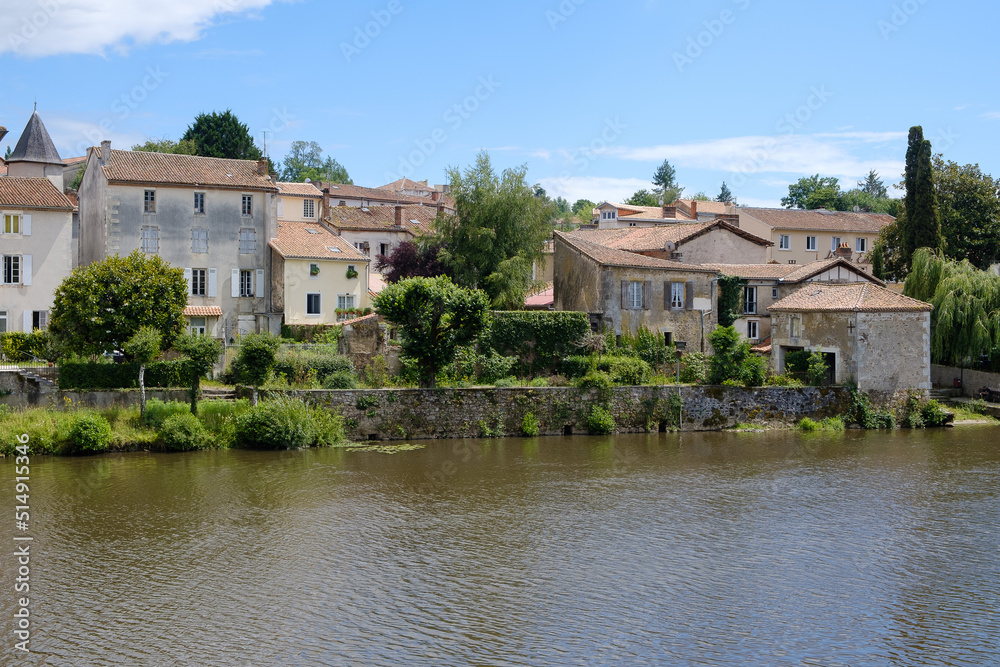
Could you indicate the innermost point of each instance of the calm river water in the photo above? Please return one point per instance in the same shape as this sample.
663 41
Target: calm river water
704 549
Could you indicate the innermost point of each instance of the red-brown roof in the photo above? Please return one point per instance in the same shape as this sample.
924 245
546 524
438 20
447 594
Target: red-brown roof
345 191
202 311
32 193
851 297
790 273
143 167
358 319
299 190
610 257
383 218
819 220
647 239
311 240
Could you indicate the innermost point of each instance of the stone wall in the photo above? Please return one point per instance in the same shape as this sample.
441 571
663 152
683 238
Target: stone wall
396 414
28 394
972 381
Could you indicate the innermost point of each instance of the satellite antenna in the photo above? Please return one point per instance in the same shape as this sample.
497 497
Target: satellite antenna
857 209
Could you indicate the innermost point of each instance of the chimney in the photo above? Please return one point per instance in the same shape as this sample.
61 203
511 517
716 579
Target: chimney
262 166
694 210
844 251
399 215
105 152
435 195
669 211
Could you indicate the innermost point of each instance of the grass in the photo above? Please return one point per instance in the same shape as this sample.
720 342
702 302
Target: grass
963 413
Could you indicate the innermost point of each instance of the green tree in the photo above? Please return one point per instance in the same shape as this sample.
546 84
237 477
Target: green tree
818 369
920 223
969 205
866 202
811 192
202 353
730 352
221 135
665 186
497 233
584 209
256 359
143 347
643 198
183 147
434 317
305 161
872 185
100 306
700 196
726 195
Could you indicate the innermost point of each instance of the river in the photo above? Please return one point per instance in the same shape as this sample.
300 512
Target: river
780 548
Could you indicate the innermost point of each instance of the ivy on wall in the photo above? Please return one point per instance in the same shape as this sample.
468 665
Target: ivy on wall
730 299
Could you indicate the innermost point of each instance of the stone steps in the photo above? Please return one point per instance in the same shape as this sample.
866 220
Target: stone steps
218 394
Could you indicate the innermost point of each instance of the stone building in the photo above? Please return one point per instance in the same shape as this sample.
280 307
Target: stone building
624 291
869 334
378 230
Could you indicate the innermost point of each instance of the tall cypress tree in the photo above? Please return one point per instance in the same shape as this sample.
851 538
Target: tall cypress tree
919 224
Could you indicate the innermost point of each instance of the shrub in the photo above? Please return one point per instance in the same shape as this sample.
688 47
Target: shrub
695 369
625 370
286 423
934 415
538 338
730 353
575 366
827 424
600 421
157 412
797 361
977 405
506 382
89 434
818 370
783 381
649 347
529 425
595 379
342 380
219 417
808 424
484 368
296 363
754 371
539 382
864 415
184 432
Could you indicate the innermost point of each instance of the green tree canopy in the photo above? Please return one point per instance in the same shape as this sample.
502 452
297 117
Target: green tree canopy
221 135
183 147
584 209
100 306
202 353
726 195
872 185
434 317
143 347
305 161
920 223
256 359
665 187
643 198
812 192
498 231
969 205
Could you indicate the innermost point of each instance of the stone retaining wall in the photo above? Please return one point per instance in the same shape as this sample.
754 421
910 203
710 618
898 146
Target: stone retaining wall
972 381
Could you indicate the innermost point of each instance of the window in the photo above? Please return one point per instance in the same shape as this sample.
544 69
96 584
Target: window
3 321
314 270
199 239
345 301
383 248
635 295
609 215
197 326
834 243
247 205
150 240
631 224
774 292
40 320
750 305
199 203
149 201
313 304
668 338
752 330
198 282
811 243
248 241
342 203
676 295
784 242
861 245
246 283
11 269
11 224
795 327
308 208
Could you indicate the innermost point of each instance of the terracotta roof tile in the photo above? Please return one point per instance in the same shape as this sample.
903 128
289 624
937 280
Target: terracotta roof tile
714 207
383 195
203 311
299 190
790 273
852 297
74 160
647 239
611 257
32 193
407 184
311 240
358 319
169 169
383 218
836 221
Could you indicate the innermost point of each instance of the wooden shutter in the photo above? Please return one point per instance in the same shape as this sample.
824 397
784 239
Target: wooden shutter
188 278
647 287
26 225
624 295
667 292
213 280
26 270
26 321
689 295
258 285
236 284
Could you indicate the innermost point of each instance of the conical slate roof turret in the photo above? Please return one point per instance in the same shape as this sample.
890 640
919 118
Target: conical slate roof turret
35 144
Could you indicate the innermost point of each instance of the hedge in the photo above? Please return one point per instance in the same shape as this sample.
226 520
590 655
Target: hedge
20 346
540 338
296 363
91 375
622 370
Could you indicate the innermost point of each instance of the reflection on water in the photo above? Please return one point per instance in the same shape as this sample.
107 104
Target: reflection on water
778 548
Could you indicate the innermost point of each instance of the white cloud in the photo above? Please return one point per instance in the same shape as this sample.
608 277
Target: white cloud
992 115
72 136
37 28
844 154
594 188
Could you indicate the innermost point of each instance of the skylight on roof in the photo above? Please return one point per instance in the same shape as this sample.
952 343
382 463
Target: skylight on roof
313 231
364 209
333 248
416 222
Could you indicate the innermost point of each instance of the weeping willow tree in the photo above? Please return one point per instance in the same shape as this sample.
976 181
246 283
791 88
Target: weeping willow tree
965 323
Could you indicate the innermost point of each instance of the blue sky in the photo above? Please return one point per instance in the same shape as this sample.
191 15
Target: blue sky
590 95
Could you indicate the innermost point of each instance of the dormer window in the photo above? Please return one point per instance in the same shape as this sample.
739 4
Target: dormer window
609 215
